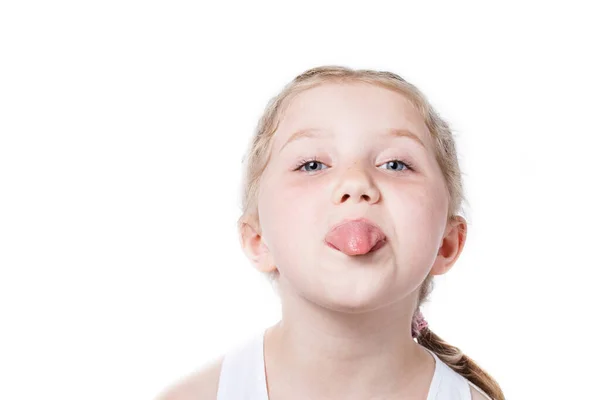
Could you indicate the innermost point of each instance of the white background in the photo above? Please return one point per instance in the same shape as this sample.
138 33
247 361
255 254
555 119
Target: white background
122 129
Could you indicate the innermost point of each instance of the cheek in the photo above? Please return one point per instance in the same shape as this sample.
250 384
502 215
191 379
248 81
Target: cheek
293 212
302 207
301 194
418 200
418 214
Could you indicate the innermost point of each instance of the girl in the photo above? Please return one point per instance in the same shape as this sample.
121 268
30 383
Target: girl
350 207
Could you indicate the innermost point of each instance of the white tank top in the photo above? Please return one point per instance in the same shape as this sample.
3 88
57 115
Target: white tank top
242 376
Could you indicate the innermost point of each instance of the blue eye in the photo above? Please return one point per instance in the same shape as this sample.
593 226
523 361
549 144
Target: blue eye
313 163
398 162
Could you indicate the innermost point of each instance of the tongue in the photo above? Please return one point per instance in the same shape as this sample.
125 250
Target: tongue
354 237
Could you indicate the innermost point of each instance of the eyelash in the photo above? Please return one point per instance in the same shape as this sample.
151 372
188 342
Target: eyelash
305 161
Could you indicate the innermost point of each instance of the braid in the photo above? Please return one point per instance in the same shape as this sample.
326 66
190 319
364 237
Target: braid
456 359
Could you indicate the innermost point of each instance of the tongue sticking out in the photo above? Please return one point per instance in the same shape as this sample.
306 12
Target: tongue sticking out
355 237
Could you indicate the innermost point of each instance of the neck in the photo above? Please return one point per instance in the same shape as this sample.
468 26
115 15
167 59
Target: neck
321 353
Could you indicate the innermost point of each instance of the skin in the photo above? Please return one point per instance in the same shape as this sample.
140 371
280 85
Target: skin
345 327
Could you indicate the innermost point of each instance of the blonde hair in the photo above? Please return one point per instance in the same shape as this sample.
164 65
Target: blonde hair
259 153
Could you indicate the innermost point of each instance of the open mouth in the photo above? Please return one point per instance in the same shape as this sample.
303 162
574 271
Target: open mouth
355 237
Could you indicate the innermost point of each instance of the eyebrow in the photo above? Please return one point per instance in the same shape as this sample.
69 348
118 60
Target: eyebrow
313 133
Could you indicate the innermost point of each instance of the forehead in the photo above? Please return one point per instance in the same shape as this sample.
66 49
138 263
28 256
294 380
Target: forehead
349 107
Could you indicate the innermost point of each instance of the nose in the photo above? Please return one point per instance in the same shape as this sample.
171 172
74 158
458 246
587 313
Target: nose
355 185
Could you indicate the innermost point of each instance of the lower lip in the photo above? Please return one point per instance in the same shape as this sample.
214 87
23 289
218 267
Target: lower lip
379 245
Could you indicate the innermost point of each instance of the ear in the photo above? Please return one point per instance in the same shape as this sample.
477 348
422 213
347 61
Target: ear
452 245
255 248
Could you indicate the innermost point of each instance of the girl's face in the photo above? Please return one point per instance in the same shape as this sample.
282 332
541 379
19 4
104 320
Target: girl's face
366 152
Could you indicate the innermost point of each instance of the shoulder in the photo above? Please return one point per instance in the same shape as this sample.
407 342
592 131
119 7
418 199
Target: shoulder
201 385
477 394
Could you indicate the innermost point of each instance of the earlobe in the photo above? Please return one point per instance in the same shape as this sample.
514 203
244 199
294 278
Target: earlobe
255 248
452 245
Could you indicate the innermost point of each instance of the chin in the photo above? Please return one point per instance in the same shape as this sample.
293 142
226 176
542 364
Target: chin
351 308
345 288
350 297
